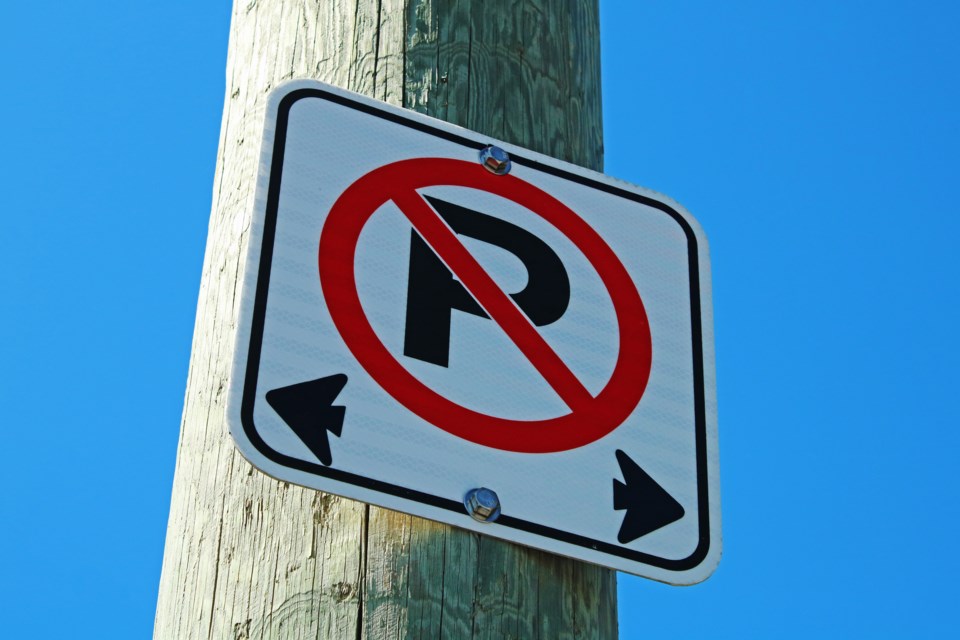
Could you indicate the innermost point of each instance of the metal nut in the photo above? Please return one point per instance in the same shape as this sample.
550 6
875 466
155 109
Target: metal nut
495 160
482 504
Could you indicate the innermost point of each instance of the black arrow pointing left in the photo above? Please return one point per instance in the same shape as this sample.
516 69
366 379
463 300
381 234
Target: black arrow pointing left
307 408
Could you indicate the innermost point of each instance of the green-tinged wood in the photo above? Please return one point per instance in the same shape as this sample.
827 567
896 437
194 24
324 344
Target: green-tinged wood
250 557
523 71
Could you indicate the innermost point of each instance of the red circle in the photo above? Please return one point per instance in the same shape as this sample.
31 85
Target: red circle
338 243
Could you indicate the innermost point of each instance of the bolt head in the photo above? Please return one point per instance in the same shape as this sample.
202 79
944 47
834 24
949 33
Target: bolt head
495 160
482 504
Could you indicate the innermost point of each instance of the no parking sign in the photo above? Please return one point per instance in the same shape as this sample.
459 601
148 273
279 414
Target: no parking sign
416 327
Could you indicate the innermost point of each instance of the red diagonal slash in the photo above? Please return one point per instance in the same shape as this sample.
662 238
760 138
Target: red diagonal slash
492 298
589 418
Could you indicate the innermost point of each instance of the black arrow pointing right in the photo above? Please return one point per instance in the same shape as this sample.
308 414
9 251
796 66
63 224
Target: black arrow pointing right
649 506
307 408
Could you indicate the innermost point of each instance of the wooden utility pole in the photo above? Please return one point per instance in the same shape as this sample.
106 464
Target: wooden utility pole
251 557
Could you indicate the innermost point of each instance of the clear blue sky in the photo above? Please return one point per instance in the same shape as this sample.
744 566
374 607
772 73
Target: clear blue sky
817 142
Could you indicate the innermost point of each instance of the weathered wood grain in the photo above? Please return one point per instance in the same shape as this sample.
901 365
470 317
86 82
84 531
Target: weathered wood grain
250 557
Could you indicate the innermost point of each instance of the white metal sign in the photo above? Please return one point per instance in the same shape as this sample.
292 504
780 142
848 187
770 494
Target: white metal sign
417 324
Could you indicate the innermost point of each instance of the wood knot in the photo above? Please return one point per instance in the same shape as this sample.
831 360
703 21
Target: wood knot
322 504
342 591
241 630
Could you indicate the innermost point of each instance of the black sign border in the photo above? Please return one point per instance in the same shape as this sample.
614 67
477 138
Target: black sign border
259 316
